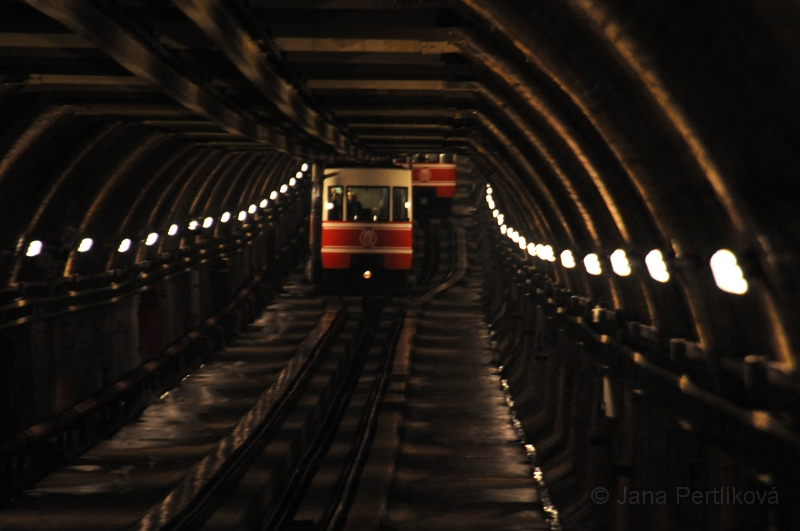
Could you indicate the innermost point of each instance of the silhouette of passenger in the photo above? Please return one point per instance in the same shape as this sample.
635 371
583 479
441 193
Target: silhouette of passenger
353 207
335 207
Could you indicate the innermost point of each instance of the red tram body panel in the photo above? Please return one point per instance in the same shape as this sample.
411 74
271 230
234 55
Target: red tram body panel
367 219
438 175
342 239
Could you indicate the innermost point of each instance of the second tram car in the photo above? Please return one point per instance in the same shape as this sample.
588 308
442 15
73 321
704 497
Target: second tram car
434 180
367 223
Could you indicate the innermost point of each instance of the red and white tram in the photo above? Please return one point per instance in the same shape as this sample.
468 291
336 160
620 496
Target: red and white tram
366 221
440 176
434 180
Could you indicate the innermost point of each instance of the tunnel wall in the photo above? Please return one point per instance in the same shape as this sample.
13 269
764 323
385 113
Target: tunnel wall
66 386
73 323
646 125
596 398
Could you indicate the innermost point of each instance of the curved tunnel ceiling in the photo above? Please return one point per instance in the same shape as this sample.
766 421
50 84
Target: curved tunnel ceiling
601 124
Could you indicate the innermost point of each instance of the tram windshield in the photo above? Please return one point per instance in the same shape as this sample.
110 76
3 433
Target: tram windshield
367 203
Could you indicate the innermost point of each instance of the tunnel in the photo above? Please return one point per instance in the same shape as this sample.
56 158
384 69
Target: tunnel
625 238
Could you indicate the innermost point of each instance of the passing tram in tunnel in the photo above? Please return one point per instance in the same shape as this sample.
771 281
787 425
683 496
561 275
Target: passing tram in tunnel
366 226
433 177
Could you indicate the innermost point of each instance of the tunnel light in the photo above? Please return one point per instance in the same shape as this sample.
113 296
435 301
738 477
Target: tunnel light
242 215
492 205
545 252
367 274
656 266
489 190
501 219
225 217
173 230
284 188
298 175
620 263
85 245
304 167
592 264
124 245
515 237
263 203
522 243
330 206
292 181
193 224
489 198
495 213
567 260
252 209
273 195
503 229
208 222
151 240
727 273
532 249
34 248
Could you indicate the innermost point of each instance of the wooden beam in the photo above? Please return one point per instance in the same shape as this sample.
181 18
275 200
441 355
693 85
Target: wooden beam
302 44
43 40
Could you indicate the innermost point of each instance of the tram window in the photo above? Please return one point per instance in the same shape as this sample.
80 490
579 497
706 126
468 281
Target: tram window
399 204
367 203
335 203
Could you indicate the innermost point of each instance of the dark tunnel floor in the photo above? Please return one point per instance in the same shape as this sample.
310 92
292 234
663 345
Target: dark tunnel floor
460 464
142 462
445 454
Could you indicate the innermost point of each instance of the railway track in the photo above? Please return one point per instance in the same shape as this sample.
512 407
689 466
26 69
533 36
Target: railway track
293 457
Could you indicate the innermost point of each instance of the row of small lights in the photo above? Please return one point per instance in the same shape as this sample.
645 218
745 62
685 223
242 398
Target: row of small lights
35 246
724 265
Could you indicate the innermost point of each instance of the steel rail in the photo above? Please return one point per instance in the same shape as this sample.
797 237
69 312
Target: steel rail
188 504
